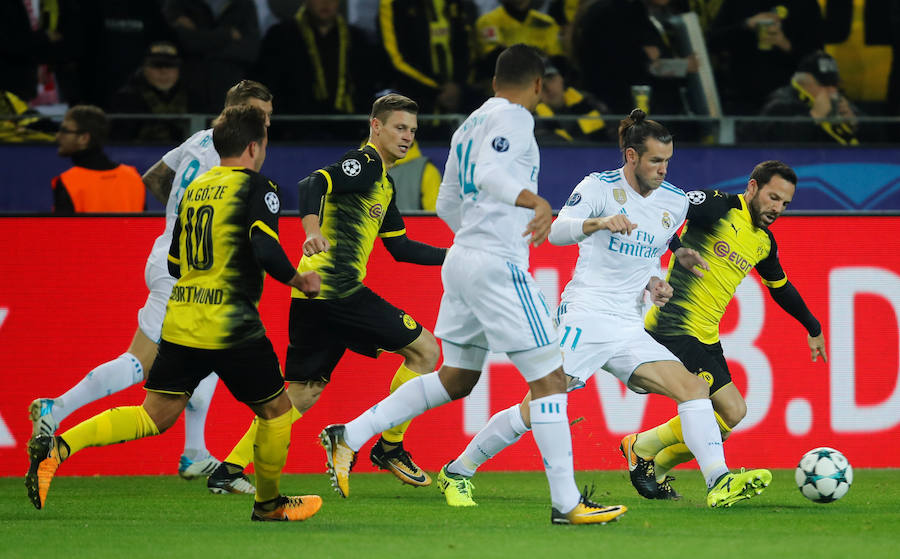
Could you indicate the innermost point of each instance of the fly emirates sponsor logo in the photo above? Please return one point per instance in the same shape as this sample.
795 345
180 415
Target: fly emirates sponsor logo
642 246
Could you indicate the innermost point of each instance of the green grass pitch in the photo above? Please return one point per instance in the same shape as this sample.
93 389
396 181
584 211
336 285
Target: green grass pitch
163 516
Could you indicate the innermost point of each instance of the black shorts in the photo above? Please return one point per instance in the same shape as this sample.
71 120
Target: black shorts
704 360
321 330
250 370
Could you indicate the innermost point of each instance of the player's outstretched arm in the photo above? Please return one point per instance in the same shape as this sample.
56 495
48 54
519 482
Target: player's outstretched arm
789 299
158 180
404 249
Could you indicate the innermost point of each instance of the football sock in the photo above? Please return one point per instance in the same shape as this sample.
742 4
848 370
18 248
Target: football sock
670 457
108 378
412 398
395 434
502 430
242 453
195 418
273 437
550 426
702 436
652 441
675 451
113 426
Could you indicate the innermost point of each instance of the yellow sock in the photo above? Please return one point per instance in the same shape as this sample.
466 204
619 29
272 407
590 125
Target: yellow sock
670 431
273 436
676 452
242 453
116 425
670 457
395 434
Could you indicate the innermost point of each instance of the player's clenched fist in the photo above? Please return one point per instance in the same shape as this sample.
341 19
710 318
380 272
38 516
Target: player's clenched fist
618 223
308 282
315 244
660 291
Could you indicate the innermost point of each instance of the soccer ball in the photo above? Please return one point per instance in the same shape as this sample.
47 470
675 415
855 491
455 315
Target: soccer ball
823 475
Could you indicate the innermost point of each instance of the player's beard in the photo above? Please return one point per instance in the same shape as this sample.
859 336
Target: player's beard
756 213
644 185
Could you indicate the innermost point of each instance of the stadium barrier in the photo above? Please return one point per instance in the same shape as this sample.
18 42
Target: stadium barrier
70 289
830 178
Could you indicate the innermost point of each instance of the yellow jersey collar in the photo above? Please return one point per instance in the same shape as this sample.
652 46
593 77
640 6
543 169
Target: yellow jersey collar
745 210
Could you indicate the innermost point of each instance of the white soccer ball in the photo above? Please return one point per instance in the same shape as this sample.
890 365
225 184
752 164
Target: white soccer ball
823 475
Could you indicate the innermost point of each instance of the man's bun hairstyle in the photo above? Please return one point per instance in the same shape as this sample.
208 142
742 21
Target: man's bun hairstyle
636 128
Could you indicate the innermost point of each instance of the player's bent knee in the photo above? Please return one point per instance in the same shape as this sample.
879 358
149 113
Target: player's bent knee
423 353
305 394
692 387
458 382
554 383
733 413
276 407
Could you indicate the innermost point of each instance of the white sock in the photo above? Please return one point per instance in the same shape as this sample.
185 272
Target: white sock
550 425
120 373
503 430
195 418
410 399
703 437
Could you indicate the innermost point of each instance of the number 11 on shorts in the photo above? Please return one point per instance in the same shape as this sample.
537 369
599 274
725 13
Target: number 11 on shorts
562 343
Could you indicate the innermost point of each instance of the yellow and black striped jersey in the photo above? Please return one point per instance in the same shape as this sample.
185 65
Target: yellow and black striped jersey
214 303
358 206
720 228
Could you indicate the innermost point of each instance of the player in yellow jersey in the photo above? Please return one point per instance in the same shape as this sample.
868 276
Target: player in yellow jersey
731 233
224 241
344 207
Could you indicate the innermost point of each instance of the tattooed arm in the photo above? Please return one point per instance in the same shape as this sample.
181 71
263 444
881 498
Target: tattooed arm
158 180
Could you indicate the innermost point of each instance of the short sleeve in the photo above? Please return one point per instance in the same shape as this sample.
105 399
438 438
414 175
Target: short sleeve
769 268
512 136
263 206
588 199
173 157
708 206
356 171
393 225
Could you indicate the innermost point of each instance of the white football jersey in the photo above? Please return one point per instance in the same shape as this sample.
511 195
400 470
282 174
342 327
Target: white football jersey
493 157
189 160
613 268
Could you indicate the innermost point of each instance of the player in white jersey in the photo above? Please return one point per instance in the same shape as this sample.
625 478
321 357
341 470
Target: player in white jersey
622 221
489 198
166 179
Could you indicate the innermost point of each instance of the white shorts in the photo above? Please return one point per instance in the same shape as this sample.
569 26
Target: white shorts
618 346
533 364
160 283
492 304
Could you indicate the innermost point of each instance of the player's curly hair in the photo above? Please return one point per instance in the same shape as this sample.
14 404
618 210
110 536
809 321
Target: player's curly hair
636 128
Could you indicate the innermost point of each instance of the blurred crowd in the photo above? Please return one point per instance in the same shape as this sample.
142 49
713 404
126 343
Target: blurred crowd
830 61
